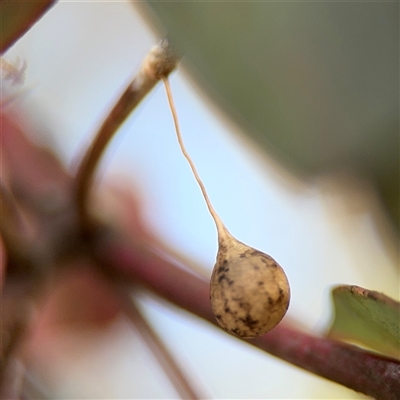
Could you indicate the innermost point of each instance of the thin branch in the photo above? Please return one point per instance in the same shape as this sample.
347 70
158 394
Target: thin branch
12 226
18 302
348 365
12 380
158 64
155 344
23 15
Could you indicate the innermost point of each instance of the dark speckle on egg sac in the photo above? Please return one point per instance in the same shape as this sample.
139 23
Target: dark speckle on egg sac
249 291
221 278
222 268
270 301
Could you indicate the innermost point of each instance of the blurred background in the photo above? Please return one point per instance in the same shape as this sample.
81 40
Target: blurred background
283 158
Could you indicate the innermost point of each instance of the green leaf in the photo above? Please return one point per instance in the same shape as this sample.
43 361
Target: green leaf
314 84
16 17
366 317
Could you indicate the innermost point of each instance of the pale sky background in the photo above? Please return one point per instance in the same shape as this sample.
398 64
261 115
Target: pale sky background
79 57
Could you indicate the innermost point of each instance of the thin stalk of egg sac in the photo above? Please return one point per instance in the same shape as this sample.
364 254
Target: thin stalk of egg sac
249 291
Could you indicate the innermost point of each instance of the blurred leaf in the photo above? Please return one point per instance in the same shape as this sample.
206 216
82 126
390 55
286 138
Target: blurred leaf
315 84
367 317
16 17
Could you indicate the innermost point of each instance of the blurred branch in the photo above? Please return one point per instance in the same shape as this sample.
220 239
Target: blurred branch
12 379
159 63
18 303
12 225
345 364
155 344
17 17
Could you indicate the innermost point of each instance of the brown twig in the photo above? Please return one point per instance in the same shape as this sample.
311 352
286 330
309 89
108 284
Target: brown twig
348 365
155 344
12 227
18 17
159 63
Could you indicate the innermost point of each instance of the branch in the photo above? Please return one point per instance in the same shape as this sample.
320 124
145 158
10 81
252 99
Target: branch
345 364
18 17
155 344
158 64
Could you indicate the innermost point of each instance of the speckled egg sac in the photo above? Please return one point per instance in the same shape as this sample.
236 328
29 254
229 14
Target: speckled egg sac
250 292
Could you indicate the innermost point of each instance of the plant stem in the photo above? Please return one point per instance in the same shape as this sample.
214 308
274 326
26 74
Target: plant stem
155 344
23 16
348 365
158 64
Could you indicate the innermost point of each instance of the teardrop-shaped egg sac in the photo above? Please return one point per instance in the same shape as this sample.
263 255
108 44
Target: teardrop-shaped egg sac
250 292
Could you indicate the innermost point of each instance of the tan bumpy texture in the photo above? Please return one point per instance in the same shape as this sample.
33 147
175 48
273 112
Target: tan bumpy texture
249 291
